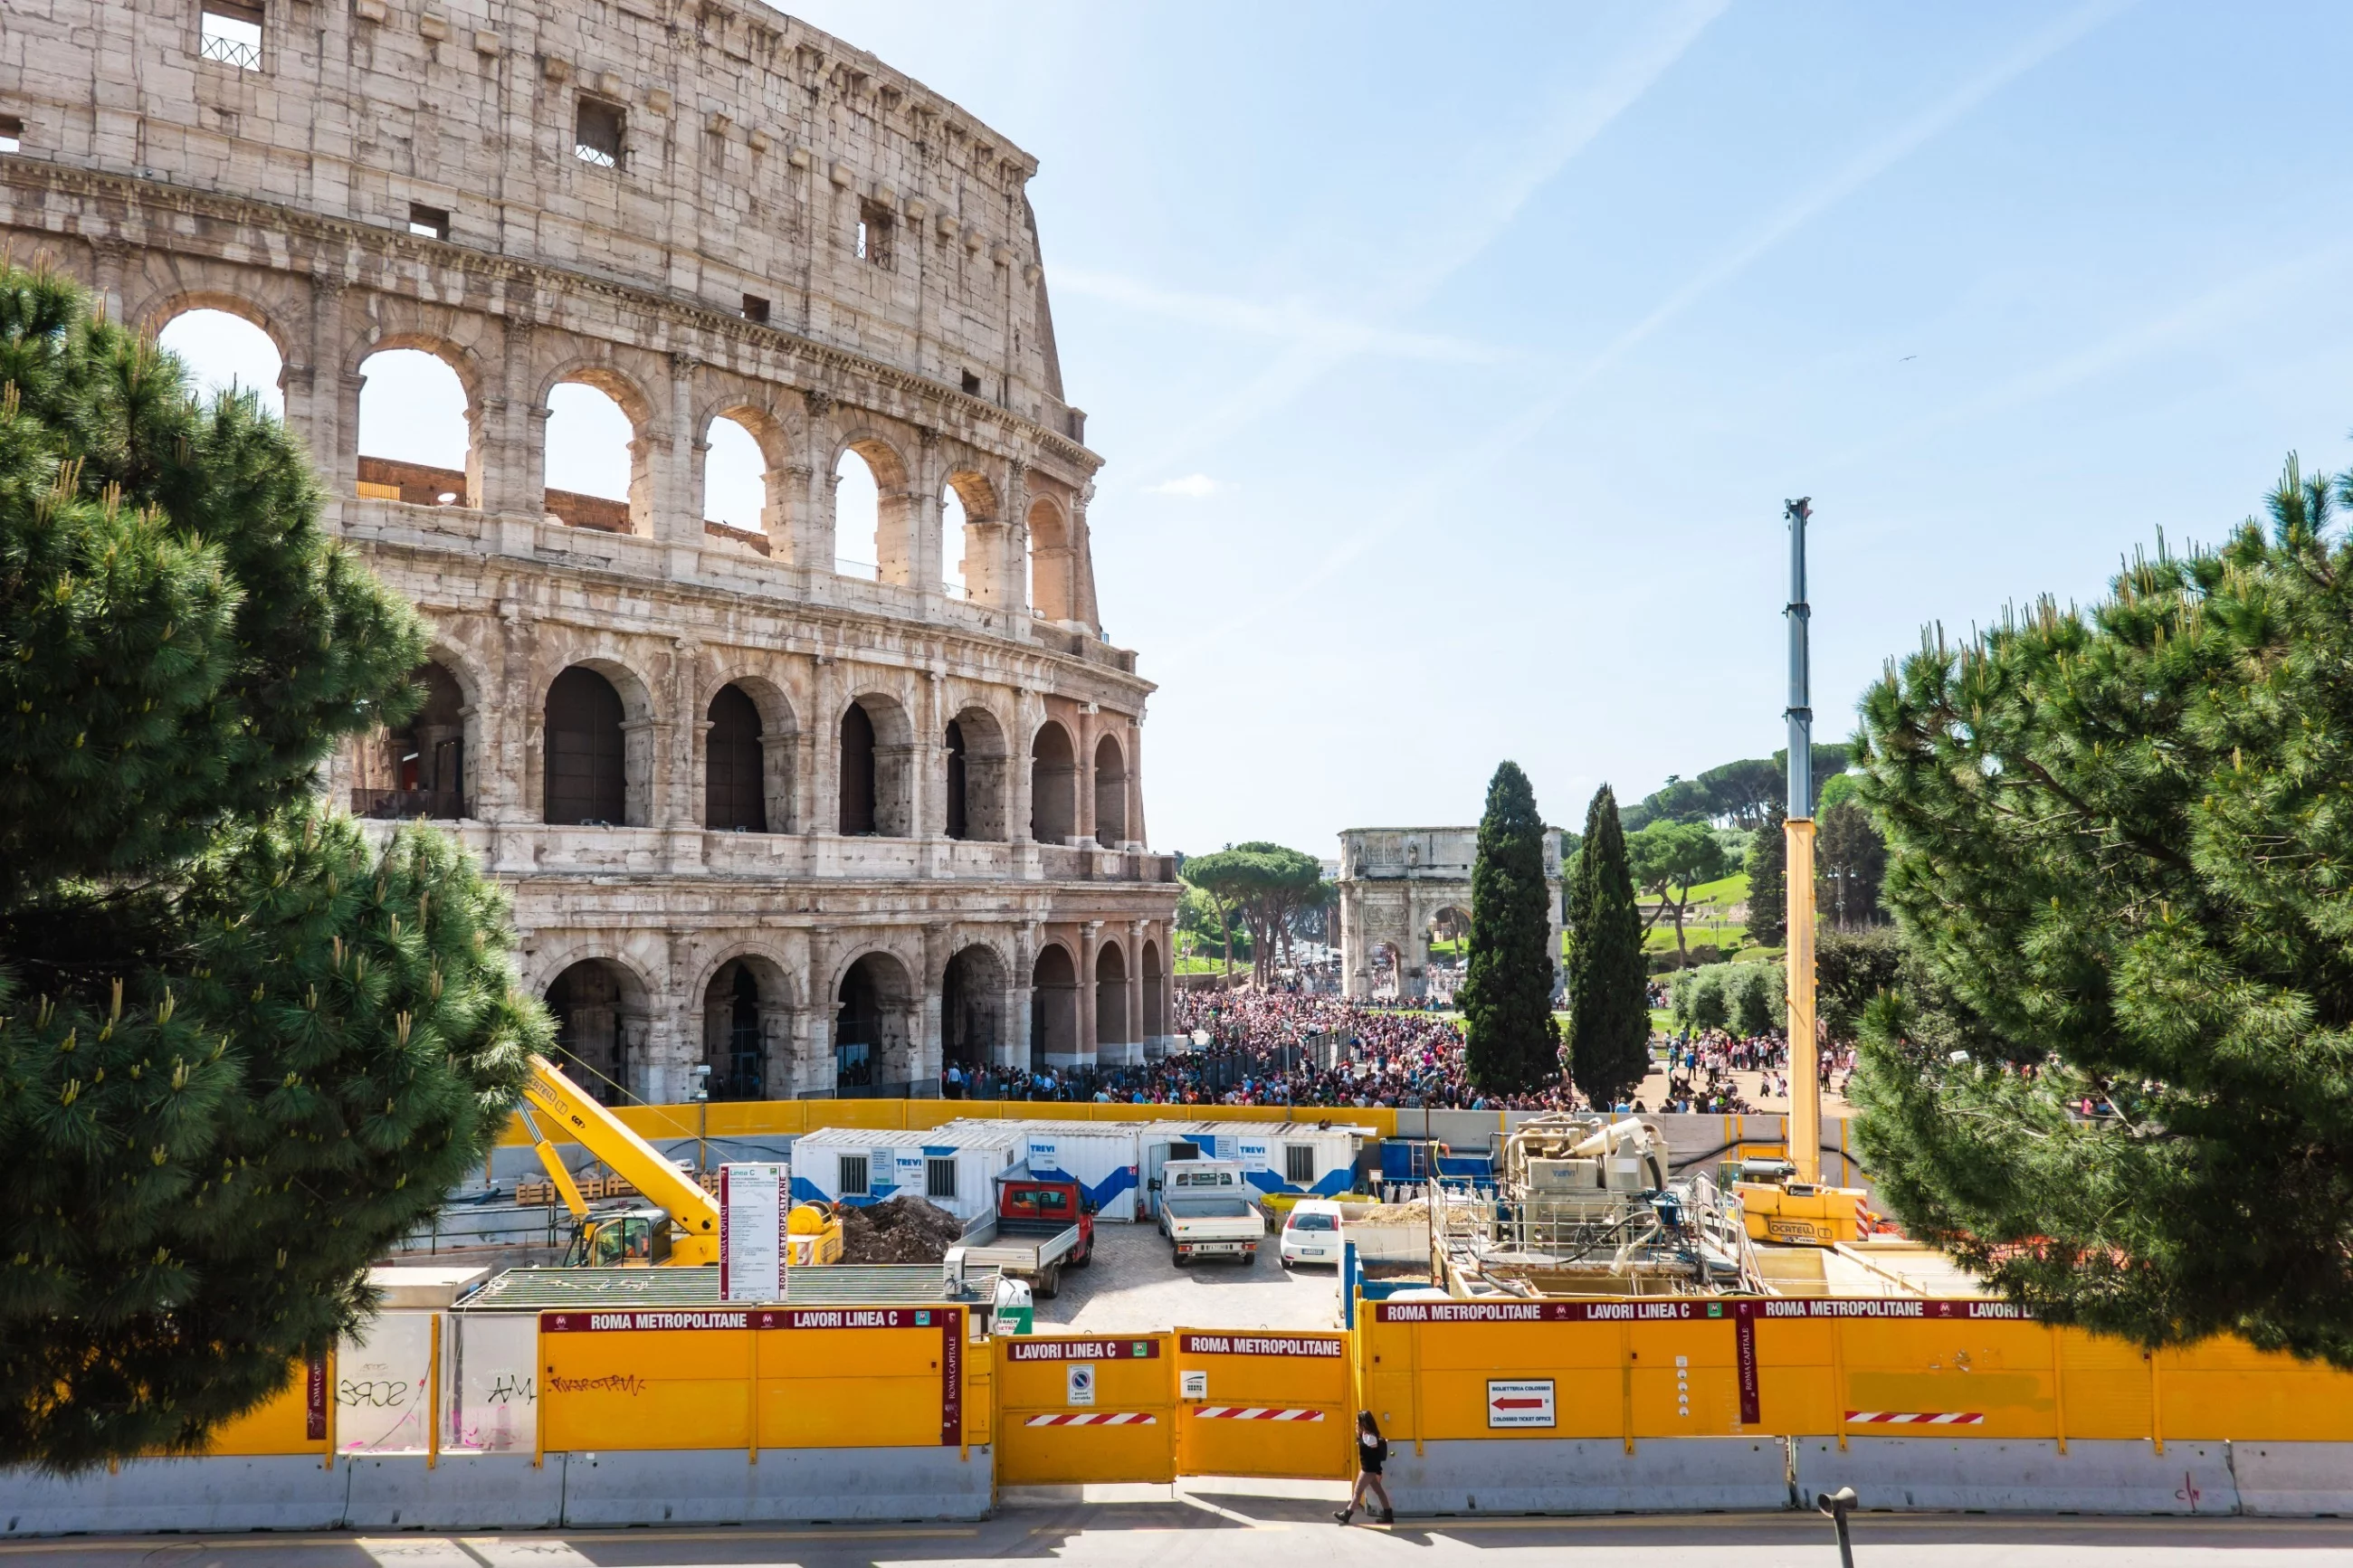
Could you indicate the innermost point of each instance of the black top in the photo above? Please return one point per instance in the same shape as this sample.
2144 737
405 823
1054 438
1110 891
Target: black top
1371 1452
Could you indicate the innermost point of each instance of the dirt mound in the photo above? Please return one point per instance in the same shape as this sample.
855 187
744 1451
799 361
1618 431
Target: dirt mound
903 1229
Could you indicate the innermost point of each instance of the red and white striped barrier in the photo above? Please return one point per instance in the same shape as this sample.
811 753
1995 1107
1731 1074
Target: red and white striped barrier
1253 1413
1090 1418
1916 1417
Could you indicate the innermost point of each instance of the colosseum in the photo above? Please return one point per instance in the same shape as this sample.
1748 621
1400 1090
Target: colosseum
777 821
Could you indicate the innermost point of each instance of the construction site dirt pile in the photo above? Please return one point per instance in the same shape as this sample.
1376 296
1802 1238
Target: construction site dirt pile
899 1230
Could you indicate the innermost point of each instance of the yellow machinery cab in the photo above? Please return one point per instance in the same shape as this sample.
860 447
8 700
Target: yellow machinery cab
812 1235
1774 1207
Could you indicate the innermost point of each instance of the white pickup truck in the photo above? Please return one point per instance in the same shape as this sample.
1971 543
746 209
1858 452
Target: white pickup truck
1206 1211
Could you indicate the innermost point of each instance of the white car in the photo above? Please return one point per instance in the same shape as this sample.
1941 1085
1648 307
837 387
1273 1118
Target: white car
1312 1234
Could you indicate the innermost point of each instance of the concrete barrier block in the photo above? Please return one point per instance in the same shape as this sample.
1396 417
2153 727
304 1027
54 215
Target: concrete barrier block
2002 1475
1588 1475
719 1486
281 1491
464 1491
2293 1478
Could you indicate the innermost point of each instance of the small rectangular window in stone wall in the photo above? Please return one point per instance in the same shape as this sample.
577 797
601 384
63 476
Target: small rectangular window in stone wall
873 233
229 31
598 129
11 133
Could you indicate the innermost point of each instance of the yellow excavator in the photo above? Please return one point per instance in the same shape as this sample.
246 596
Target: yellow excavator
677 1224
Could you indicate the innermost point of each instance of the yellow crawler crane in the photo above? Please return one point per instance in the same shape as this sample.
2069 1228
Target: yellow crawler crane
677 1224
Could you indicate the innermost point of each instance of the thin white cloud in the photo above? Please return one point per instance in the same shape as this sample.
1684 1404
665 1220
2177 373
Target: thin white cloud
1411 503
1192 485
1859 170
1578 117
2227 306
1291 320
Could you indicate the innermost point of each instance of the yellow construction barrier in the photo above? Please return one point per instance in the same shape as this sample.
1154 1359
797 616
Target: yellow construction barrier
1077 1410
297 1419
1263 1403
781 1377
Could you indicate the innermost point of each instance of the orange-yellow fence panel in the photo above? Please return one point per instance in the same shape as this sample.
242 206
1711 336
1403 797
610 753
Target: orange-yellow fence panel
676 1379
2103 1387
2228 1389
1076 1410
860 1377
1977 1377
1253 1402
292 1421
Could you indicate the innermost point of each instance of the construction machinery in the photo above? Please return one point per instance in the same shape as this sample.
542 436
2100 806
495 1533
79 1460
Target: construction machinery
1583 1207
677 1223
1775 1205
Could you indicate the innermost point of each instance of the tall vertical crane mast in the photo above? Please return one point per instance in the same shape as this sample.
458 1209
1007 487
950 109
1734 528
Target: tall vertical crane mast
1805 1084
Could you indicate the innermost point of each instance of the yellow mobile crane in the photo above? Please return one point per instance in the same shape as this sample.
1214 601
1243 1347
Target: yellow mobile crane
677 1224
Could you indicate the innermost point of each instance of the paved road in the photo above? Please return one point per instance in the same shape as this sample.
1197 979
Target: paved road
1226 1530
1132 1287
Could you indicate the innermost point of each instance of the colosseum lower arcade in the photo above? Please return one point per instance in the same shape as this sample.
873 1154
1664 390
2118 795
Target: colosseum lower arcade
772 827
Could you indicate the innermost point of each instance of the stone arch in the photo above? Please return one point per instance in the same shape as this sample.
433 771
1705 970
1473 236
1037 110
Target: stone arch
1111 792
735 504
1053 1007
1053 784
979 773
1111 997
603 1025
163 306
587 748
1051 560
779 744
878 1015
422 767
972 1020
391 476
735 783
245 338
1153 1024
877 763
747 1016
894 506
581 509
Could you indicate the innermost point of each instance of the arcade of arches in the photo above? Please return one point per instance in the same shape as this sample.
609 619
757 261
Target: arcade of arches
882 1033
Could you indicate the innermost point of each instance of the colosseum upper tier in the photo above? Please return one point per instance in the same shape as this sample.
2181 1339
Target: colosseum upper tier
771 829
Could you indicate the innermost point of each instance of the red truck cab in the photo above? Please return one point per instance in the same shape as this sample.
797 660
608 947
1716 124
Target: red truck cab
1027 1203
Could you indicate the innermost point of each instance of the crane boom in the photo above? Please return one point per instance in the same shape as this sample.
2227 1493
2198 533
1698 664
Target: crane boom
629 1157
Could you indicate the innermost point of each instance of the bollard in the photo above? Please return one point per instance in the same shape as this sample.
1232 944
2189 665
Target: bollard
1838 1504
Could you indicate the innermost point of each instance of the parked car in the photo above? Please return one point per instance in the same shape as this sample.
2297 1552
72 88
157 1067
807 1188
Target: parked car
1312 1234
1206 1211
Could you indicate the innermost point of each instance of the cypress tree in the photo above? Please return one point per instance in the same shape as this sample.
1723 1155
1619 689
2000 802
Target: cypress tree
1768 883
1608 994
242 1049
1512 1040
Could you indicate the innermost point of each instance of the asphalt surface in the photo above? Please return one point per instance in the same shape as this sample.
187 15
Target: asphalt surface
1133 1286
1237 1530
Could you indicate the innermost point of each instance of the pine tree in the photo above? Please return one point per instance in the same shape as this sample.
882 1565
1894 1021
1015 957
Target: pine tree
1609 984
1769 883
241 1051
2116 842
1513 1041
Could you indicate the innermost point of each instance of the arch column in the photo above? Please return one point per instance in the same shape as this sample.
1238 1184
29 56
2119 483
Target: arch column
1082 785
1135 1039
1090 939
1019 998
813 529
667 506
309 414
817 1074
930 1045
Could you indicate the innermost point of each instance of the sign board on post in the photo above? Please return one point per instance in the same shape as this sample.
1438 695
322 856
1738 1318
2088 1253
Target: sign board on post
1525 1403
752 1210
1080 1381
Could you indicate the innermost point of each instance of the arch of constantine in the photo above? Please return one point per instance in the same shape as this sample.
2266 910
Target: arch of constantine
768 827
1395 884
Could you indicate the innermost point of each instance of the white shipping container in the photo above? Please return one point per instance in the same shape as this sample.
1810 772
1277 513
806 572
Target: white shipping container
954 1171
1100 1156
1290 1157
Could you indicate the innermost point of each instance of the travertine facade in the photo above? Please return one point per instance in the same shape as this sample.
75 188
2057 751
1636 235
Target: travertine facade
704 209
1395 882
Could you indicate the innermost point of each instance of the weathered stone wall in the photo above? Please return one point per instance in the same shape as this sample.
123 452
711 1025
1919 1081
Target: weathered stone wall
282 191
1393 883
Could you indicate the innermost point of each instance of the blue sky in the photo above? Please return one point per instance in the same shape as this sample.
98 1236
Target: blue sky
1451 364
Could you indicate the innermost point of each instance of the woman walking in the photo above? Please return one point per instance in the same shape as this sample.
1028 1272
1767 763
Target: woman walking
1372 1453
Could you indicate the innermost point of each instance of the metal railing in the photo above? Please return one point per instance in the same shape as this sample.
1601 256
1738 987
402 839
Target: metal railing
408 804
229 51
